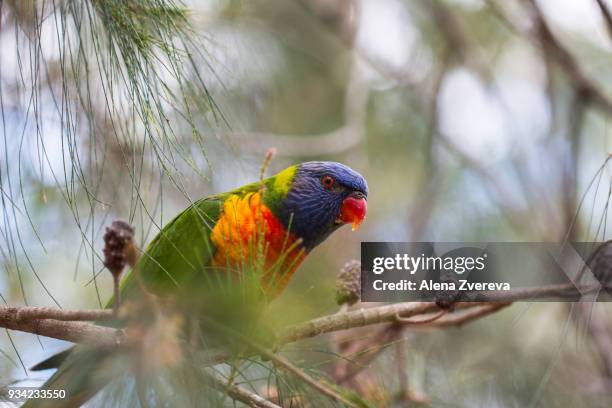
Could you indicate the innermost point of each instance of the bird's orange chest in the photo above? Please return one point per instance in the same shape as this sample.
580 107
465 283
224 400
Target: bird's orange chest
248 236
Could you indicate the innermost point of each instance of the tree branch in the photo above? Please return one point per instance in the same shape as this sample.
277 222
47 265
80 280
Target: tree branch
606 14
240 394
459 319
388 313
25 313
319 385
65 324
568 63
75 332
357 318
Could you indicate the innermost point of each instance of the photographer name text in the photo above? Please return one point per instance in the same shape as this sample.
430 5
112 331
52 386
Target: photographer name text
430 285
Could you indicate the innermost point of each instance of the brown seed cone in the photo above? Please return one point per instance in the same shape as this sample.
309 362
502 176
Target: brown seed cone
119 248
348 283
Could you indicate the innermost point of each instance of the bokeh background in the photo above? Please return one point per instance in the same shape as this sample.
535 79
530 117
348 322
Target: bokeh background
471 120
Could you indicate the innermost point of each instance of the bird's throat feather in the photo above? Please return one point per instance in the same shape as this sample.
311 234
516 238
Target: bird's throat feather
248 234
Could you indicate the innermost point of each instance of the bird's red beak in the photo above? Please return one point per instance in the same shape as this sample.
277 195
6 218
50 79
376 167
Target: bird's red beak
353 210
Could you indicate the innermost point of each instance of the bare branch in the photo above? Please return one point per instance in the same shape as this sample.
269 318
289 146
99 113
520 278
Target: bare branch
56 323
355 318
461 318
240 394
553 47
607 15
390 313
319 385
76 332
458 43
425 320
28 313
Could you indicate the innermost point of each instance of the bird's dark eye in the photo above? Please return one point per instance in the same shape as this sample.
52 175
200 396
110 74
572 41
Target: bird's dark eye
328 182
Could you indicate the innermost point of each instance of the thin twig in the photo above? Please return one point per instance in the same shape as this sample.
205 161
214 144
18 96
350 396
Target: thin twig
607 15
318 385
240 394
116 296
362 351
280 361
600 334
461 318
553 47
266 163
426 320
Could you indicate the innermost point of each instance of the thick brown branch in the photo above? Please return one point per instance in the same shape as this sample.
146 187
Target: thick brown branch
56 322
355 318
75 332
28 313
389 313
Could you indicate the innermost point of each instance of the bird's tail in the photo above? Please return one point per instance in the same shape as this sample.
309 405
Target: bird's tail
82 372
54 361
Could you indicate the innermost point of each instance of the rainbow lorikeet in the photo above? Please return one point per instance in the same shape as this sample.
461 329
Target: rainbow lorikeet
278 221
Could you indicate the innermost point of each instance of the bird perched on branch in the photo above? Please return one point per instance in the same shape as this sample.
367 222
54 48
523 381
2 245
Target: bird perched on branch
264 229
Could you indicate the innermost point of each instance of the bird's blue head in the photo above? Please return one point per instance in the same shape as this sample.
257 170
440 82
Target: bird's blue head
323 196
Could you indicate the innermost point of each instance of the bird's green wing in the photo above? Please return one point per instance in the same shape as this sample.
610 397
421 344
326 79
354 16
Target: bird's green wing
180 251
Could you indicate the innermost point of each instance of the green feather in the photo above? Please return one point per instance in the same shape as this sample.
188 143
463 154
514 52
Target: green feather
181 250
